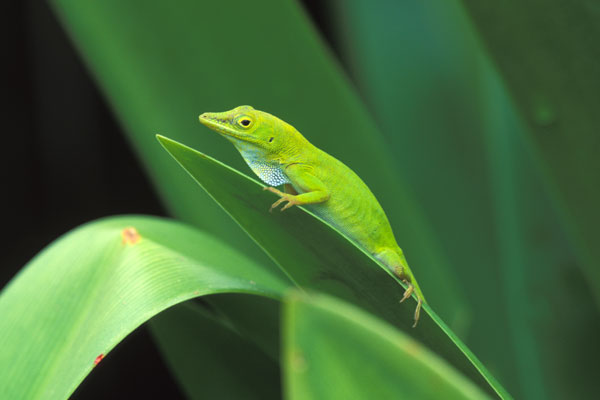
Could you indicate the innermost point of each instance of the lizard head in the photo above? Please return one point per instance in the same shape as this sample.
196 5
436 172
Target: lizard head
253 132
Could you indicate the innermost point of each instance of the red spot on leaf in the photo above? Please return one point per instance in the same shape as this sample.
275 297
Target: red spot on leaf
98 359
130 235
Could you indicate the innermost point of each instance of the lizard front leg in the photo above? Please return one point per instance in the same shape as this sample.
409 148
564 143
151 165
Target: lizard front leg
312 189
290 198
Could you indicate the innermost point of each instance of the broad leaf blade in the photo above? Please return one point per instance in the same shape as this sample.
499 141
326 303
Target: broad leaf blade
83 294
315 255
335 351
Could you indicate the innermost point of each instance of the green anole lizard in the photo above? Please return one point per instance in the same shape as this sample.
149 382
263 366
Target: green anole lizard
280 155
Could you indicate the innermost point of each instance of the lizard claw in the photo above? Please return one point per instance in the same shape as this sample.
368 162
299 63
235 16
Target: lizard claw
409 290
285 197
290 198
278 202
418 311
407 293
291 202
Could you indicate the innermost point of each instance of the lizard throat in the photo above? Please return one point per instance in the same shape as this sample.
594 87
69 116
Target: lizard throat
270 173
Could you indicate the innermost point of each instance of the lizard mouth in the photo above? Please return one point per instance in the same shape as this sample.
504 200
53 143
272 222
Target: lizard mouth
220 125
216 124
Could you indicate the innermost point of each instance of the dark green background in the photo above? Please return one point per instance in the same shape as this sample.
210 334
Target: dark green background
487 112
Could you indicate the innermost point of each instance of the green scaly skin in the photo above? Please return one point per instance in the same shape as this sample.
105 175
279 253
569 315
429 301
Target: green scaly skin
280 155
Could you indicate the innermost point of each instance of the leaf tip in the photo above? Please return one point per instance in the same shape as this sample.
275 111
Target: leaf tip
161 139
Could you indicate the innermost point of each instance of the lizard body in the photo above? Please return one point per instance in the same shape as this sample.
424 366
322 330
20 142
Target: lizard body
278 154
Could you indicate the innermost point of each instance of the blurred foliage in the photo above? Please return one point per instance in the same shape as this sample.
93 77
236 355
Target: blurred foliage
555 85
466 153
319 331
484 158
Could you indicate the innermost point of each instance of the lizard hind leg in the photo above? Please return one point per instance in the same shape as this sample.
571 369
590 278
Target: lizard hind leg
395 262
409 291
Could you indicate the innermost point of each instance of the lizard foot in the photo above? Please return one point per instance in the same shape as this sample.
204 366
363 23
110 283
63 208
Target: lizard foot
418 311
290 198
409 290
407 293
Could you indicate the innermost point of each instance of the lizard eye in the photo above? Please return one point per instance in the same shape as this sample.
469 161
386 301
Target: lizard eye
245 122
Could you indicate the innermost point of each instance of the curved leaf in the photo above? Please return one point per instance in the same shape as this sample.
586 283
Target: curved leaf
84 293
317 256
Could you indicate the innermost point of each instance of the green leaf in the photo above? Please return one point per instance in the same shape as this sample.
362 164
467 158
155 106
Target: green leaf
549 61
316 256
161 66
211 360
84 293
335 351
